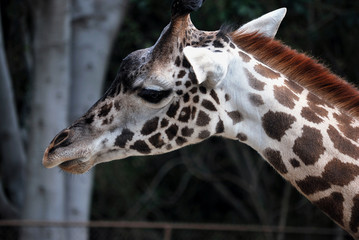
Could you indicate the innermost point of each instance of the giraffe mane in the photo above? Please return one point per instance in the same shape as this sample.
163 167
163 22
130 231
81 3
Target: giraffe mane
301 69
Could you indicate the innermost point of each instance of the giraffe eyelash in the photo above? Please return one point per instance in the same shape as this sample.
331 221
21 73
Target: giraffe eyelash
153 96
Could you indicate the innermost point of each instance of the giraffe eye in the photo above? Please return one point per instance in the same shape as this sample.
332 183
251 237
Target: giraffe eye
153 96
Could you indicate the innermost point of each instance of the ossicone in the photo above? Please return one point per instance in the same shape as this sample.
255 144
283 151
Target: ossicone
184 7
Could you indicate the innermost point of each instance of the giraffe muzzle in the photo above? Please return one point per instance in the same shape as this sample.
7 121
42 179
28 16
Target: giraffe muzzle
65 152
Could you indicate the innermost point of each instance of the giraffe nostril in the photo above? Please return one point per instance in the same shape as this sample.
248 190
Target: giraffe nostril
61 137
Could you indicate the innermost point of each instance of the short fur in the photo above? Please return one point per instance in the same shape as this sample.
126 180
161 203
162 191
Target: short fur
301 69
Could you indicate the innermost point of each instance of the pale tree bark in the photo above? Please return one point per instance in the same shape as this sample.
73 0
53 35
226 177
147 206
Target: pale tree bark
45 190
94 27
60 58
12 153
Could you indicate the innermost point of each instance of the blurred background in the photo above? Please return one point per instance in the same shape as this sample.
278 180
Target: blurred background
58 57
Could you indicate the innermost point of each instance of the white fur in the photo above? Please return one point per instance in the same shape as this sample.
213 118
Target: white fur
207 65
267 24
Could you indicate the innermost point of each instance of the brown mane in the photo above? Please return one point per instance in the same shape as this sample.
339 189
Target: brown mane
301 69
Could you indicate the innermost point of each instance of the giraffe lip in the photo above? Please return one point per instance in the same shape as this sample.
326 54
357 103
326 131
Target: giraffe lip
71 162
75 166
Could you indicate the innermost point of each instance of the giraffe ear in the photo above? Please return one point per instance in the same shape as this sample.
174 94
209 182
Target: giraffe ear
207 65
267 24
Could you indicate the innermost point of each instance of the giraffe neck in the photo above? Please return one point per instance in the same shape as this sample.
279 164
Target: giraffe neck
310 142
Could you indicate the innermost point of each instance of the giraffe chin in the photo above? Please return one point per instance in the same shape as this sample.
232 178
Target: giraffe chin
76 166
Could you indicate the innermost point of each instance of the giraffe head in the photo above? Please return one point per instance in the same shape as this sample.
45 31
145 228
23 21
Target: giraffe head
163 98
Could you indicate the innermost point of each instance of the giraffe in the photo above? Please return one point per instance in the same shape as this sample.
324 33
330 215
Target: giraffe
240 84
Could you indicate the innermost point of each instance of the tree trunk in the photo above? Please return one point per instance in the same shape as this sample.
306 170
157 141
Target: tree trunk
12 153
95 23
45 189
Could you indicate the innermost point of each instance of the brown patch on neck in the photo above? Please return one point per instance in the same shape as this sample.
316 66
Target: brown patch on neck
300 69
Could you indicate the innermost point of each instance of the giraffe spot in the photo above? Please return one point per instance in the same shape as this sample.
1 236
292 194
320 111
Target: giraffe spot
255 99
202 119
318 110
188 84
204 134
180 141
186 98
344 125
245 57
223 36
202 89
173 109
294 86
343 118
193 78
156 140
285 96
217 44
123 138
178 83
227 97
164 123
141 147
342 144
187 132
181 47
181 74
178 61
254 82
179 92
208 105
103 142
339 173
193 90
169 147
275 159
185 63
171 132
105 109
333 206
266 72
310 185
196 99
89 119
354 219
150 126
220 127
314 103
275 124
232 45
185 114
309 146
214 96
316 100
294 162
235 116
108 120
242 137
311 116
